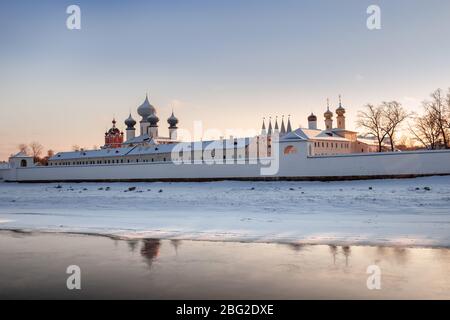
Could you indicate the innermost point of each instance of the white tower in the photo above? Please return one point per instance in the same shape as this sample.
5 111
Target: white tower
172 121
145 110
289 127
340 111
131 131
312 121
328 117
283 128
263 128
153 128
276 128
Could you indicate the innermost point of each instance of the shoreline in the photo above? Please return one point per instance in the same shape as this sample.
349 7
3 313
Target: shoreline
298 242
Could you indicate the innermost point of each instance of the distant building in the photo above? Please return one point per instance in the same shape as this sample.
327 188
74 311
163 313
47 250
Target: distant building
278 152
331 140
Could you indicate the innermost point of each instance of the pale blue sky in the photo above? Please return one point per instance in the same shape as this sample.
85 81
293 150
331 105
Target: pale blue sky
228 63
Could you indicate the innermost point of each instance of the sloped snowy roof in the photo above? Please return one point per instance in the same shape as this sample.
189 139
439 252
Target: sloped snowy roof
139 139
91 153
160 148
227 144
143 150
369 141
21 155
329 135
302 134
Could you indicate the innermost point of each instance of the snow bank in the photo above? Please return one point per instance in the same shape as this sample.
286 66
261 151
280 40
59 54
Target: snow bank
411 212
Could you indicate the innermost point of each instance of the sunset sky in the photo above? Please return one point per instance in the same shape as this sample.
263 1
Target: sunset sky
227 63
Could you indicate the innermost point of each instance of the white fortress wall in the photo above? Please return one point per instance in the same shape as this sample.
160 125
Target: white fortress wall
135 171
293 165
364 164
3 172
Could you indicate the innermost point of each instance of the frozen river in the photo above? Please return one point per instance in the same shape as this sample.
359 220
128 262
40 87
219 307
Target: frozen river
406 212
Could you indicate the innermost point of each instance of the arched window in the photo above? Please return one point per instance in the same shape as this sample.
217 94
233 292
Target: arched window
290 150
23 163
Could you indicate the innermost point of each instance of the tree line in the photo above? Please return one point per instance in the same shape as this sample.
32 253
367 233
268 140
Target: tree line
430 128
36 150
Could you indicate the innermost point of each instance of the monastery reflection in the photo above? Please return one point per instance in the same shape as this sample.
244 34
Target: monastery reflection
150 250
397 254
333 251
175 243
347 252
296 246
132 244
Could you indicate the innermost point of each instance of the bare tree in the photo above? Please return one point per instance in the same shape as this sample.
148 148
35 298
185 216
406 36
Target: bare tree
394 115
373 120
439 112
36 150
76 147
426 130
44 160
23 148
50 153
447 109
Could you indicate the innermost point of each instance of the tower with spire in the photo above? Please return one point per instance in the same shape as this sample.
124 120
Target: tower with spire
263 128
113 137
289 127
269 130
276 129
130 130
328 117
145 110
340 111
283 128
153 128
172 121
312 121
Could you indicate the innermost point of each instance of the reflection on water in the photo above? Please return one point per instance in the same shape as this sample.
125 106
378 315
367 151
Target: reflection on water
399 255
296 246
150 250
34 266
132 244
333 251
347 252
175 243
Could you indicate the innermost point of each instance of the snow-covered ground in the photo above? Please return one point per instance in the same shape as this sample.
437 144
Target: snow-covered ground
412 212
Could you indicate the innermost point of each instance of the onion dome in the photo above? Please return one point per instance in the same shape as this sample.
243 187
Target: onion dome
153 119
130 122
340 110
113 130
146 109
172 121
328 114
312 117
